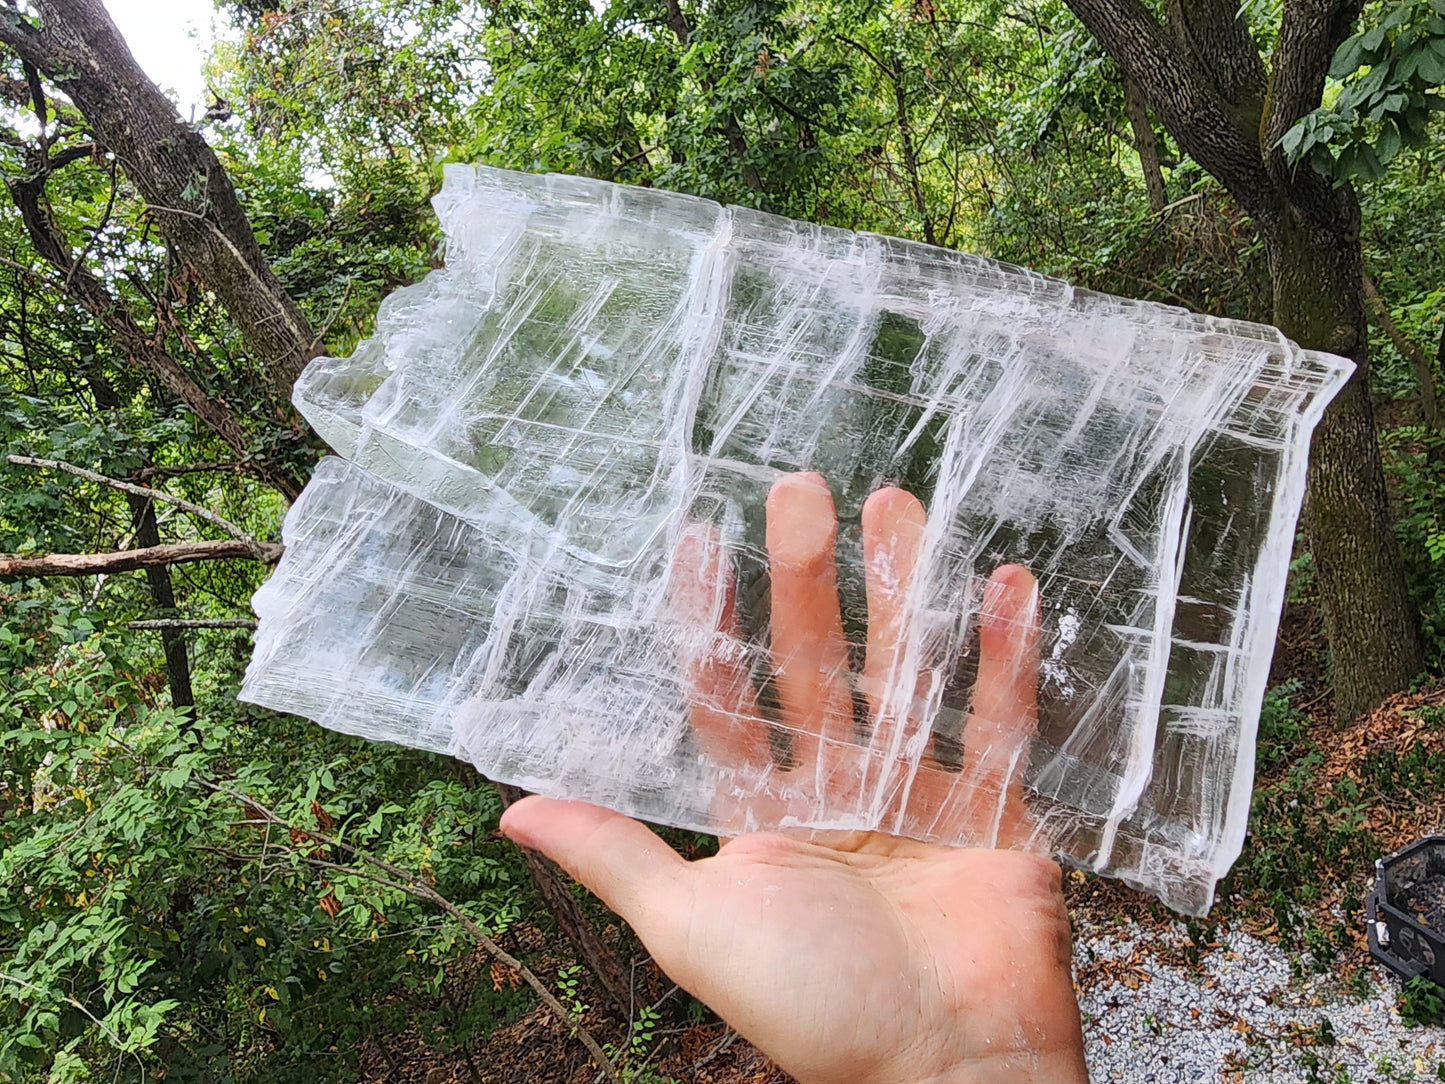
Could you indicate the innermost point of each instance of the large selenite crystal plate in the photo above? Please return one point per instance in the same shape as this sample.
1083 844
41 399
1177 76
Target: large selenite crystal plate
484 571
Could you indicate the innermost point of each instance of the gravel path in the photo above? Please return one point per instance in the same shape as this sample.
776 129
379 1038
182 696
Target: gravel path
1238 1015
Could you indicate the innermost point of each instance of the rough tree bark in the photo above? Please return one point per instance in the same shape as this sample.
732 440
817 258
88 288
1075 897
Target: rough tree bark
145 350
1206 81
78 48
163 598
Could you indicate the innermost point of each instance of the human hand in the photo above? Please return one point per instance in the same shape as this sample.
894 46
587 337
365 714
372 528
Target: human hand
859 957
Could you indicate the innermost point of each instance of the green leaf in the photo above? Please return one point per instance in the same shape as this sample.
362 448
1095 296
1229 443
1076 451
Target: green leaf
1373 81
1290 144
1398 16
1388 143
1430 66
1368 164
1348 57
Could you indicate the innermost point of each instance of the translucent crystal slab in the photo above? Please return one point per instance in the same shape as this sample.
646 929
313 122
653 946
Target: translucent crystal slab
602 376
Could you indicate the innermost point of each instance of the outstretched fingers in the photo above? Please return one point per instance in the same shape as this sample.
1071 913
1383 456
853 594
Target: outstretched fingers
981 803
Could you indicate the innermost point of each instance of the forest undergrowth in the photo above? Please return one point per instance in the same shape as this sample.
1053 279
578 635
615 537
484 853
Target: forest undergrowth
192 889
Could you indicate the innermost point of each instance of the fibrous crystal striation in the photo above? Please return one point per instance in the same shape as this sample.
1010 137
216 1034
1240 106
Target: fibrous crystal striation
483 570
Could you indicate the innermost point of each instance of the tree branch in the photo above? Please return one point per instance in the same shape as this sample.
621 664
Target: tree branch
1186 102
1424 376
81 284
16 32
1145 145
1309 33
93 564
401 880
1215 34
206 514
189 468
677 22
199 623
78 47
63 158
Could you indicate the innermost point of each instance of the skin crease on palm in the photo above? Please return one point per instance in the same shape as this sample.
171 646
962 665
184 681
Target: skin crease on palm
861 958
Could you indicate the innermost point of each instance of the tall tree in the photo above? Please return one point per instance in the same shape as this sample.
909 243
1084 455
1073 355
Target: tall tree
1203 75
76 46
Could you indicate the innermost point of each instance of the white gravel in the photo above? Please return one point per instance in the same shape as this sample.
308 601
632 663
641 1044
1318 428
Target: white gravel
1241 1014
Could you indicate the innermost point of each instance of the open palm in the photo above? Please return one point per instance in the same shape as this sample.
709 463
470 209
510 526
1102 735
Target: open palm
855 957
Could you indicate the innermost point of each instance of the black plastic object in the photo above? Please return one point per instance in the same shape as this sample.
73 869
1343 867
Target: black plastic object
1406 911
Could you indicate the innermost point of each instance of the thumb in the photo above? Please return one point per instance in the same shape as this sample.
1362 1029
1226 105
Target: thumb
621 860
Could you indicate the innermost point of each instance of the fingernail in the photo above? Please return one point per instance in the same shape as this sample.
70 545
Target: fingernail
1010 598
506 828
801 521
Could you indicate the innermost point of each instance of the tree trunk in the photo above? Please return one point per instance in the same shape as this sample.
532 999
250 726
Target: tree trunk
598 958
1440 352
158 576
1203 77
183 184
1145 144
1375 646
158 579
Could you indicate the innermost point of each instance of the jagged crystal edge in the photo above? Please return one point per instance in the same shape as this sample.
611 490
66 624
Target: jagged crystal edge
698 352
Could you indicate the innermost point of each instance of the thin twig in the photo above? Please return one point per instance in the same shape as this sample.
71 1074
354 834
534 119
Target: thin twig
76 264
402 881
97 1021
189 468
257 550
188 623
727 1040
1178 203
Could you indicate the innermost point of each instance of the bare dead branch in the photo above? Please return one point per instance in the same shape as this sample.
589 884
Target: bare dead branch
399 879
94 564
256 548
194 623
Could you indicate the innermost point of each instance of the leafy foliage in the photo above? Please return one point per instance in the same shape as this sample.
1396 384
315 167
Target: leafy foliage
1422 1003
1392 70
151 922
150 919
